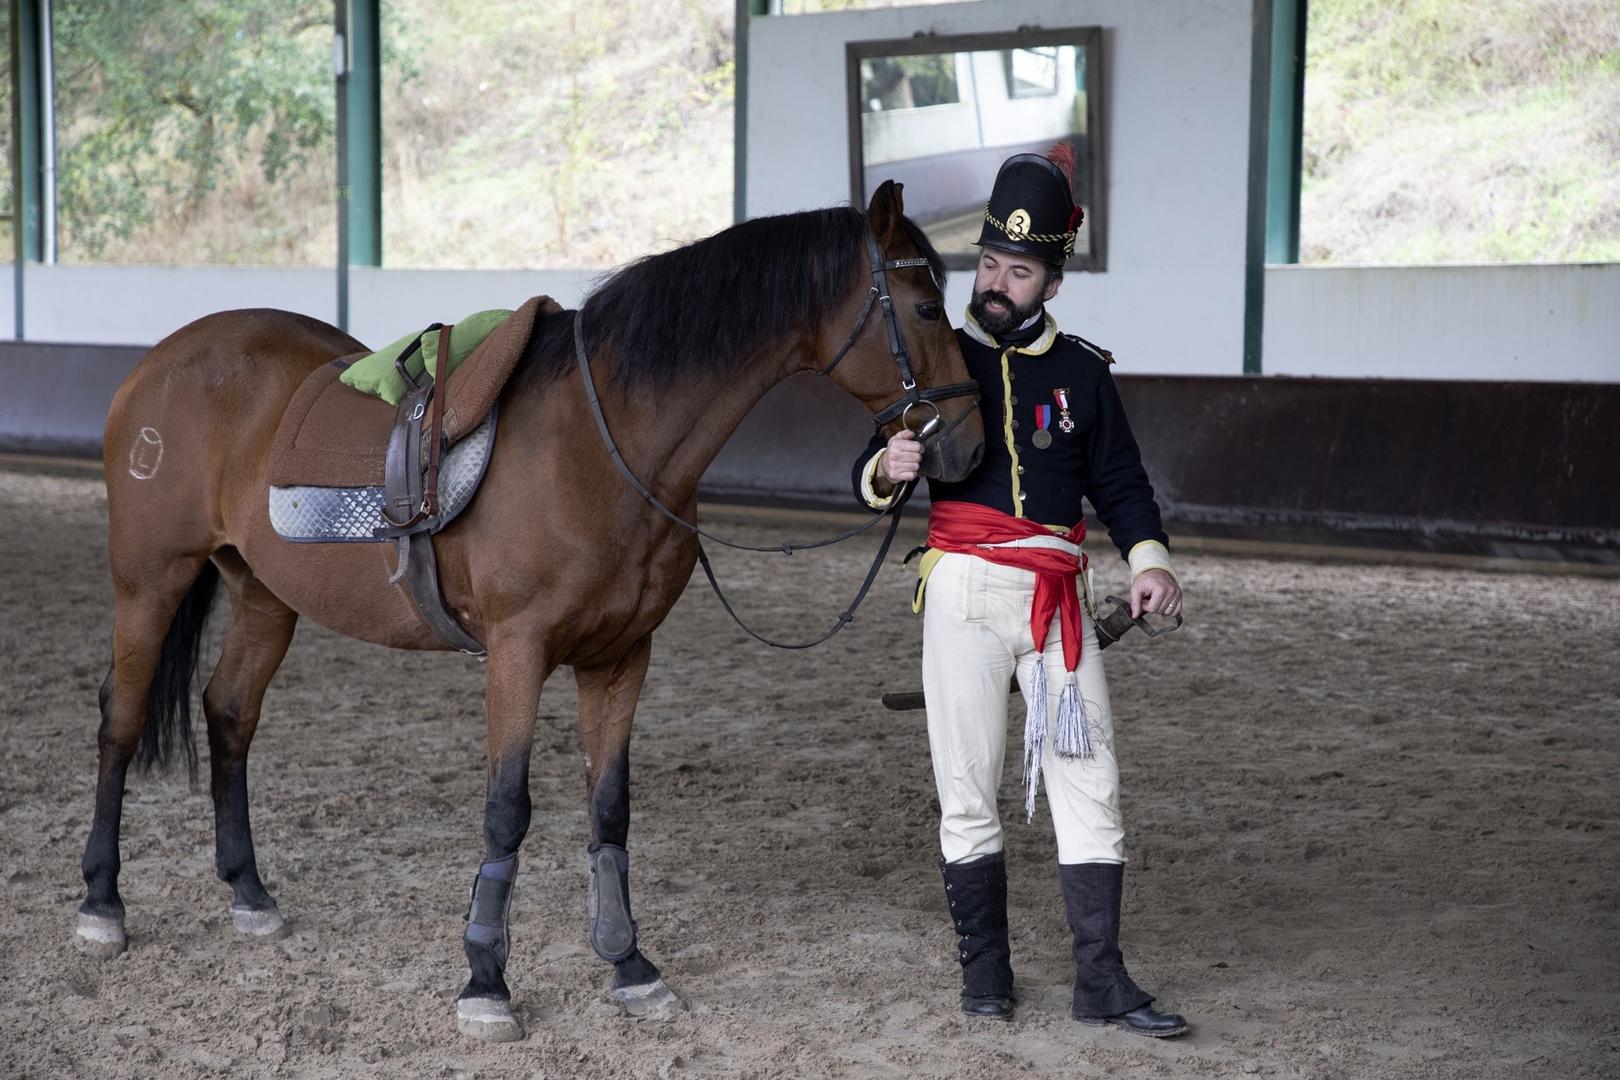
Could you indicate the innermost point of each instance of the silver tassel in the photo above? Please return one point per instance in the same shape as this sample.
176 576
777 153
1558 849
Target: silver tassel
1073 725
1034 737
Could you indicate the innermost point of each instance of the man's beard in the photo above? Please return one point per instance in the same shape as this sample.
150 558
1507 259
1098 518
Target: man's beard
1010 319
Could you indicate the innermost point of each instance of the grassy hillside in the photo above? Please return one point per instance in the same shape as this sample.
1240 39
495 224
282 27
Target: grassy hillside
569 133
1462 131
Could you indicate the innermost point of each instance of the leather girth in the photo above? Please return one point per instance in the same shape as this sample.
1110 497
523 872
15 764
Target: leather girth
412 507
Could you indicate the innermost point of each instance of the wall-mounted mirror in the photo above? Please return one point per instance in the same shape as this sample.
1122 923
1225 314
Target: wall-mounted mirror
940 114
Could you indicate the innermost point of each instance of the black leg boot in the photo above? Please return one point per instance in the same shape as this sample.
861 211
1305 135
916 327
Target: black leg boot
977 894
1103 991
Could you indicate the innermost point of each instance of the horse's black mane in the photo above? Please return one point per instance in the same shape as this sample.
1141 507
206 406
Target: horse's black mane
705 308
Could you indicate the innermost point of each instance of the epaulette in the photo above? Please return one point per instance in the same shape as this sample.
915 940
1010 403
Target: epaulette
1101 353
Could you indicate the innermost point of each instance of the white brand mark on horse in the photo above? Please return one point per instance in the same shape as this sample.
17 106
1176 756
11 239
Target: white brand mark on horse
146 455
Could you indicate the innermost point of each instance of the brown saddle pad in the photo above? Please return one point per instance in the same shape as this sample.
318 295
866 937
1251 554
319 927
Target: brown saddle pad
332 435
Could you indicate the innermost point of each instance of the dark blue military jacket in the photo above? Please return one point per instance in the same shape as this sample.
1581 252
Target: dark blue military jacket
1097 460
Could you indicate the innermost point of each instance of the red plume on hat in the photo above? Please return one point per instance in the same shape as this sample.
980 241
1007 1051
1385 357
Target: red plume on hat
1062 155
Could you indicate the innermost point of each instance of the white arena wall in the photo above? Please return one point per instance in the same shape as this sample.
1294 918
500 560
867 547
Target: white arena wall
1531 323
140 305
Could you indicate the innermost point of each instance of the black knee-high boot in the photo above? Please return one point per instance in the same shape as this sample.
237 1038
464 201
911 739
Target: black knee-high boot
1103 990
977 894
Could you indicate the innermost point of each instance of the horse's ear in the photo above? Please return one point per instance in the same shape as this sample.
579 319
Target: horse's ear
886 210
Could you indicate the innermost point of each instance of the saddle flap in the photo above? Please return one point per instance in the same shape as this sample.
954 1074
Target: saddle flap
330 435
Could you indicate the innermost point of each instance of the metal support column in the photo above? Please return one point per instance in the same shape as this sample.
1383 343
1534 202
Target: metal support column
356 64
1276 96
27 146
1285 140
746 10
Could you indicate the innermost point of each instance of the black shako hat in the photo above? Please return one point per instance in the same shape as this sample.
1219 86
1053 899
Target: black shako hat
1031 209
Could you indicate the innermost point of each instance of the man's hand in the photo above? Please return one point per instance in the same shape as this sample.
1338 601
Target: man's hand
1155 592
902 459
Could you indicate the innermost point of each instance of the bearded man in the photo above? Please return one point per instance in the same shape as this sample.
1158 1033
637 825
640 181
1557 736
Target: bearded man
1003 578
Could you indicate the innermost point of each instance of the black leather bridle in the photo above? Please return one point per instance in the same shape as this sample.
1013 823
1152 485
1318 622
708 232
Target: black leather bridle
878 296
901 408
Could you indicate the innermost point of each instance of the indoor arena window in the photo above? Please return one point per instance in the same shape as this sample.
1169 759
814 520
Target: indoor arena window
1032 72
908 82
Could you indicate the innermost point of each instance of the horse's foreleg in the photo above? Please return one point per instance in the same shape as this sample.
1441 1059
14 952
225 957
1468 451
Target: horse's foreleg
514 675
261 629
607 709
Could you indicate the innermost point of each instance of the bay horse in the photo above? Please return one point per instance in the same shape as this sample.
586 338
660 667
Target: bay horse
557 561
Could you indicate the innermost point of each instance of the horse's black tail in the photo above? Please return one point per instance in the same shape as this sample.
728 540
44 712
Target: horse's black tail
168 701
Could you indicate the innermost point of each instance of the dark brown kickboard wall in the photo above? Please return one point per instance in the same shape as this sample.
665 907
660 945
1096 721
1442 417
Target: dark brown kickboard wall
1487 468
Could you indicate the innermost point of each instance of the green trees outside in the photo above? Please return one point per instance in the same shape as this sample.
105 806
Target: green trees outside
194 130
565 134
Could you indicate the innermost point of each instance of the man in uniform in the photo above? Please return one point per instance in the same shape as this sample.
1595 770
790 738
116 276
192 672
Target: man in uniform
1003 577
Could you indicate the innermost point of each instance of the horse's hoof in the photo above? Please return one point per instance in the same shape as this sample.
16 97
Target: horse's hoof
650 1001
267 924
99 936
487 1019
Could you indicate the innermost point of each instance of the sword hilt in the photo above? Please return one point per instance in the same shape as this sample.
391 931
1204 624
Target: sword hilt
1119 620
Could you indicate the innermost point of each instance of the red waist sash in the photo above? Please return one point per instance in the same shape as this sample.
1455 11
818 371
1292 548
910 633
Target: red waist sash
962 527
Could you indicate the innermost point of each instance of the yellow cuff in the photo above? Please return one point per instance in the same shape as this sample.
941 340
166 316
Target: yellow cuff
1150 555
873 499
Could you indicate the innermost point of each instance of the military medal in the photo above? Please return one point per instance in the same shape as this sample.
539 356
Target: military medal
1065 421
1043 418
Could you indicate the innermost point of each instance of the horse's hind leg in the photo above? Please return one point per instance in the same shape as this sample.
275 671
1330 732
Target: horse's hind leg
156 631
261 629
607 709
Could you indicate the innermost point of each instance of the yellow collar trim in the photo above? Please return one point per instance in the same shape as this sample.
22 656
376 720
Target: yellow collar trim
1034 348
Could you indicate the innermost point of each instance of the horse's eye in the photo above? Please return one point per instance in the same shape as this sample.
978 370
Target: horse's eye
928 310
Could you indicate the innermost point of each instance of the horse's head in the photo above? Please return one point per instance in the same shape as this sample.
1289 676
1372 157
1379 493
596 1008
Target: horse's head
896 351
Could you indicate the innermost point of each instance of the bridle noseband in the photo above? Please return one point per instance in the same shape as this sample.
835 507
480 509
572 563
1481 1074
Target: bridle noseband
878 296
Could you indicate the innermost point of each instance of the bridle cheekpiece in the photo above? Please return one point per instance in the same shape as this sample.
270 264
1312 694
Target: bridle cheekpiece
878 296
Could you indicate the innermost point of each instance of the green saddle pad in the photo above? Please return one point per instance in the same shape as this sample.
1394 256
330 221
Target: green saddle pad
376 374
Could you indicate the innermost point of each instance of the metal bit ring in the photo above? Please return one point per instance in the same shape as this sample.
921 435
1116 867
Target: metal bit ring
929 426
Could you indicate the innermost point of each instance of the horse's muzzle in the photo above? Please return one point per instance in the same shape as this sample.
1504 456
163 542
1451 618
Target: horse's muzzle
956 453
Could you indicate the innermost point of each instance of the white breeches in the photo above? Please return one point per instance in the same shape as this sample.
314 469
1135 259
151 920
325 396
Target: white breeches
976 638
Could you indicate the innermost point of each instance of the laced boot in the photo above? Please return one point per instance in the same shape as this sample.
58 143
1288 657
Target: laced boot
977 894
1104 992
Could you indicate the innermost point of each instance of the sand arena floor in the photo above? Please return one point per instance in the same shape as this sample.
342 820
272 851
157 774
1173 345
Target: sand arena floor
1373 817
